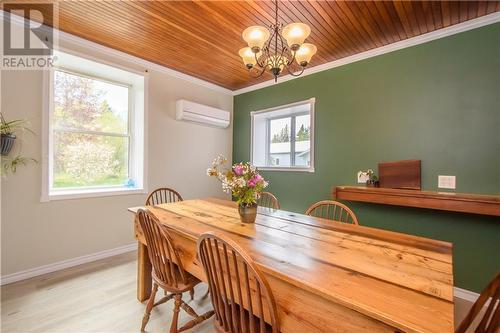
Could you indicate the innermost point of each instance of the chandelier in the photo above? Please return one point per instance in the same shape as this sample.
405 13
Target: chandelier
267 50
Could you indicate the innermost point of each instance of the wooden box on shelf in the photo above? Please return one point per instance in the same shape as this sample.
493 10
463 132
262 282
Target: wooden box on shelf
400 174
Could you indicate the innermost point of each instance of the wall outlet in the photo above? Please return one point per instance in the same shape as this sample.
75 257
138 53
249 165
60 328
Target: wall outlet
362 177
446 182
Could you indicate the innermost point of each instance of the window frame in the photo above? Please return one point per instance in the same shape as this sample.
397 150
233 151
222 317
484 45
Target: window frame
310 168
48 192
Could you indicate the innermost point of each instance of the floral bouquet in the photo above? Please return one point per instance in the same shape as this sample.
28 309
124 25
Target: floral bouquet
243 182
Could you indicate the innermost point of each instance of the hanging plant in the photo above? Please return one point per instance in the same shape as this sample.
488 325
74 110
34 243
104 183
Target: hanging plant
8 130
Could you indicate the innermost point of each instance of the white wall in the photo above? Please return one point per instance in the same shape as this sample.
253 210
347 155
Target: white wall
35 234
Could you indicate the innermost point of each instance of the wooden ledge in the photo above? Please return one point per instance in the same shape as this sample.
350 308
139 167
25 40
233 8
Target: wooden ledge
455 202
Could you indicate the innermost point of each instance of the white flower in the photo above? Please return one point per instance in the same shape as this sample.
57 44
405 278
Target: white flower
240 182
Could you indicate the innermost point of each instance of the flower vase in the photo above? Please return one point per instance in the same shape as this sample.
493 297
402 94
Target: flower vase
248 213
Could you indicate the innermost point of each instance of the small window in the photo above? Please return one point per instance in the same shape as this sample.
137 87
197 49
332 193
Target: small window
95 130
282 137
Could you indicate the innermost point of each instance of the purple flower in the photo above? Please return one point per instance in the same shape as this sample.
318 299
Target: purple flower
238 170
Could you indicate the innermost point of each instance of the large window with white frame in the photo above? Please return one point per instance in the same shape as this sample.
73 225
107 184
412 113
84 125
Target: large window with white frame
283 137
95 130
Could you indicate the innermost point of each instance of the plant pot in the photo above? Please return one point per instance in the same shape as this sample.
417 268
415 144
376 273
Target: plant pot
248 213
372 183
7 143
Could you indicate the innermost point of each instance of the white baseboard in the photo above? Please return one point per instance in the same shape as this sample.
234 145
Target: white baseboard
57 266
465 294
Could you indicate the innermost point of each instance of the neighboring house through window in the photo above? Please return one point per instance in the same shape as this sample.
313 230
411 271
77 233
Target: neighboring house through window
283 137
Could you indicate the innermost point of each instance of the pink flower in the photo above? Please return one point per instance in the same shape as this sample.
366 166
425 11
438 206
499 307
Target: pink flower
252 182
238 170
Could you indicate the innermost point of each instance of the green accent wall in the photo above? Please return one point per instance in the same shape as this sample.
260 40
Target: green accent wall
438 102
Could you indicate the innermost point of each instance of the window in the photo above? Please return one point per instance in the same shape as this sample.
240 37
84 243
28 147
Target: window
95 140
282 137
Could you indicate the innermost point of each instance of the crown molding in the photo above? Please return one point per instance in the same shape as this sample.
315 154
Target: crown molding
421 39
96 47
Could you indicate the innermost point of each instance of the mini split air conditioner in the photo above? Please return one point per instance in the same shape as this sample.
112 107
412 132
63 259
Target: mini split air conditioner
201 114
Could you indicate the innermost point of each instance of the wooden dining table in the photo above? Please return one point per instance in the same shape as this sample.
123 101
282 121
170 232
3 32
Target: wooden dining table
326 276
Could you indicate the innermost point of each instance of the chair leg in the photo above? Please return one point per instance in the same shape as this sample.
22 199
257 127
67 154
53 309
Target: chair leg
149 307
191 293
175 318
197 319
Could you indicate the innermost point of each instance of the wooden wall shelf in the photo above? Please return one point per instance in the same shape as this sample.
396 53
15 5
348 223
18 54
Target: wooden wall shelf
455 202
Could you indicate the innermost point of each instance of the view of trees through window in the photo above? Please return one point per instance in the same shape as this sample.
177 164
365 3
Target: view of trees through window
283 151
303 134
90 132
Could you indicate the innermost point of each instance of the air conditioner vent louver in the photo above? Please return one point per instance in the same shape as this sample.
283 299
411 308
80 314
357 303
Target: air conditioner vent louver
202 114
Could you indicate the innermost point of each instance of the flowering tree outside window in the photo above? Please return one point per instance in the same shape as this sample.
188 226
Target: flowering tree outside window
90 132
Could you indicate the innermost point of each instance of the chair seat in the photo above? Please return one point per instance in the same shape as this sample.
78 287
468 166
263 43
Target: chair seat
190 283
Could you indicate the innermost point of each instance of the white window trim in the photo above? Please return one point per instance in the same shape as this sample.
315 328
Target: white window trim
89 192
311 101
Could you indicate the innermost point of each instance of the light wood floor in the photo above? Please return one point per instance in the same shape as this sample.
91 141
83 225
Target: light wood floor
95 297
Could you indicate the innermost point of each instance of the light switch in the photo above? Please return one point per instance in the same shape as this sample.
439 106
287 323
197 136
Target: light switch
446 182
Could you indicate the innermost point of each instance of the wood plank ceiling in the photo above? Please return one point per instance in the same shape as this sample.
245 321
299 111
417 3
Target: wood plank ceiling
202 38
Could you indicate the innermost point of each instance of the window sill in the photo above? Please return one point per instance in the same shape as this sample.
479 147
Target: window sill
90 193
293 169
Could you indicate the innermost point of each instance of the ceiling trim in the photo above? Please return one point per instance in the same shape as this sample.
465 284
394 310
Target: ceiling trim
421 39
78 41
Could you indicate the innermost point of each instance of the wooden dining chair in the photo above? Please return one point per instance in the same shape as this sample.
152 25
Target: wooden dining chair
163 195
268 200
332 210
168 273
490 323
239 291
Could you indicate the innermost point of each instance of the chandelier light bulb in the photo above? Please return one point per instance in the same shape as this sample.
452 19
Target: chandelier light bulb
295 34
305 53
248 57
256 36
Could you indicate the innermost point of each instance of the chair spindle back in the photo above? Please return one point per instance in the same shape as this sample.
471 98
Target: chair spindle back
268 200
167 266
490 323
163 195
332 210
240 293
